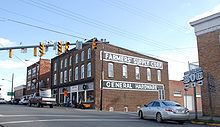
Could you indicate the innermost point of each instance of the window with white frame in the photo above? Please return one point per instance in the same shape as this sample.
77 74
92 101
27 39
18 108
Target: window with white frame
82 56
65 76
77 58
65 65
70 75
70 61
148 74
89 72
124 71
55 66
110 70
177 93
159 75
55 79
76 73
89 53
137 73
61 64
34 71
82 72
61 77
29 73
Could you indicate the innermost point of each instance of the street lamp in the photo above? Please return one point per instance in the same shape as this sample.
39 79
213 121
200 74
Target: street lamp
11 84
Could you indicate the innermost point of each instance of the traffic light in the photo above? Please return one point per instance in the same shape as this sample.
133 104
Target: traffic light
10 53
59 47
41 49
94 43
35 51
67 45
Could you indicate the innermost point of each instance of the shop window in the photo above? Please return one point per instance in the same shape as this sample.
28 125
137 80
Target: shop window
137 73
89 53
76 73
77 58
125 71
158 75
110 70
82 72
148 74
161 93
82 56
61 77
89 72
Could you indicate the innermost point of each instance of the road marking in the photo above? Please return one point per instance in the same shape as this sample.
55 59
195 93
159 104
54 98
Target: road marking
6 116
73 120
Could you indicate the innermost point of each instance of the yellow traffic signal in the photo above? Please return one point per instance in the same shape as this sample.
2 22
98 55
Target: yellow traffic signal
67 45
35 51
41 49
10 53
59 47
94 43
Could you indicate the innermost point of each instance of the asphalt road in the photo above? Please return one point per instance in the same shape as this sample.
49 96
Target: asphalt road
24 116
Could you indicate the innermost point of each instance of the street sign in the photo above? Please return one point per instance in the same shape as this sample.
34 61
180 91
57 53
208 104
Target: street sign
193 75
10 93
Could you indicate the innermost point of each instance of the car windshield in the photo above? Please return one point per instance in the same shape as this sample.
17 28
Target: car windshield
171 103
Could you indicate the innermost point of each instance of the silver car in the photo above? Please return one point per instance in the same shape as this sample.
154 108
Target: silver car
162 110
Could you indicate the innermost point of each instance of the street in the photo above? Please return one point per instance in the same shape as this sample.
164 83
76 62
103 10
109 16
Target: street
24 116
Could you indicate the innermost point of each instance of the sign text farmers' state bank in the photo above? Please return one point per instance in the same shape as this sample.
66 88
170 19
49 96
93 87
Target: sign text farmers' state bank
122 85
120 58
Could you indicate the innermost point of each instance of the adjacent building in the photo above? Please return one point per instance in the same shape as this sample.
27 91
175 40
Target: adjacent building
207 31
185 96
38 76
19 91
108 78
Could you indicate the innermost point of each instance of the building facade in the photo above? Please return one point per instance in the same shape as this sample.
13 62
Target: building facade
207 31
109 77
185 96
19 91
38 76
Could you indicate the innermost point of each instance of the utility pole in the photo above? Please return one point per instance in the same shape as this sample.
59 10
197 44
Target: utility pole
102 78
12 80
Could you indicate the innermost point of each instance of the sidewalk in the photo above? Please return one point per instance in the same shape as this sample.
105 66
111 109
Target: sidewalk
205 120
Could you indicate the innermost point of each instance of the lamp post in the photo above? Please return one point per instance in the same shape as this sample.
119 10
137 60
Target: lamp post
12 80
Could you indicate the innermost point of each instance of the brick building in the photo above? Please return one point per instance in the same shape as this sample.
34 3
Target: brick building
19 92
207 31
184 96
130 79
38 76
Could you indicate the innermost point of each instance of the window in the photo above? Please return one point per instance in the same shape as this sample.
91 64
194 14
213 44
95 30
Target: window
89 72
76 58
161 94
55 80
65 76
82 56
61 64
137 72
70 75
177 93
89 53
156 104
70 61
76 73
61 77
28 85
110 70
55 67
29 73
34 71
158 75
82 72
124 71
148 74
65 65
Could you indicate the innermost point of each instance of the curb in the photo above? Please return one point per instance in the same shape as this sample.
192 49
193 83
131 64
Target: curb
205 123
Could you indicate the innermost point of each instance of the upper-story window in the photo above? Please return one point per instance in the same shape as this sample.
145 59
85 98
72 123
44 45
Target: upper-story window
89 53
82 56
70 75
82 72
55 79
124 71
89 72
61 77
65 76
29 73
148 74
34 71
61 64
55 66
110 70
70 61
76 73
77 57
159 75
65 64
137 73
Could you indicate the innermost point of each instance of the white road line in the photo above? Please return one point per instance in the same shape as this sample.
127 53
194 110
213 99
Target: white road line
73 120
6 116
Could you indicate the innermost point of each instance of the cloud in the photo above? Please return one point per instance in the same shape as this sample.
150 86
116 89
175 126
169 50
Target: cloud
10 64
5 42
216 9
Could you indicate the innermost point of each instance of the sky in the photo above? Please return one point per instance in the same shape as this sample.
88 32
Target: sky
156 28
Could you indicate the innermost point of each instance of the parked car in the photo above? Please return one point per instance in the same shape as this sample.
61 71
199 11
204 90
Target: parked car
163 110
24 100
2 101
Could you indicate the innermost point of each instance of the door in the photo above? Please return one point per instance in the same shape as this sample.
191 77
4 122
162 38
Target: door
189 102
